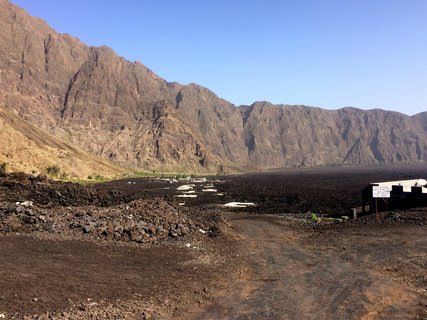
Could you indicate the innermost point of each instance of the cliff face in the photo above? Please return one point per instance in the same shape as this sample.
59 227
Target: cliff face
124 112
279 136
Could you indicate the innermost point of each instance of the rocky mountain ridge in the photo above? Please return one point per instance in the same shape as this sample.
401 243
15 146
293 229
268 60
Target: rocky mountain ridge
124 112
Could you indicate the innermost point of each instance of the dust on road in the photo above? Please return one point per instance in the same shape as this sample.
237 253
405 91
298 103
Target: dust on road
350 273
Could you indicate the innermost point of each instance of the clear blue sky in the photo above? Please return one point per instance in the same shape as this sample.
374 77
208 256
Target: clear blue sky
331 54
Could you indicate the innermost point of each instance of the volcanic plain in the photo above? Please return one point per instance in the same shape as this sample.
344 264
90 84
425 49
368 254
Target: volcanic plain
158 248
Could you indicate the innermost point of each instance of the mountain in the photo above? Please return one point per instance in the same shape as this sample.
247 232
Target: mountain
28 149
122 111
298 135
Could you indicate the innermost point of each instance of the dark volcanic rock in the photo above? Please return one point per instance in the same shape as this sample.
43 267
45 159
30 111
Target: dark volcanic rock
120 218
124 112
53 193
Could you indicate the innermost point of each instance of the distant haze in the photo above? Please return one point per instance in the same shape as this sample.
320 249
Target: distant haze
366 54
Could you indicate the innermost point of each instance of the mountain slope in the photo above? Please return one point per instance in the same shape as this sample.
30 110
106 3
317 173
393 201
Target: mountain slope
124 112
28 149
280 136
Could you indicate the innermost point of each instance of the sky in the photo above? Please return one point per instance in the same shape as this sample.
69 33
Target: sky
325 53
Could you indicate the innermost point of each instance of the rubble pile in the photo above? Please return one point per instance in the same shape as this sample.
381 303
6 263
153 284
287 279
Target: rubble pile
140 220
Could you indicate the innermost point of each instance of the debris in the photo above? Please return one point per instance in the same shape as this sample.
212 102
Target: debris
238 204
202 231
181 229
174 233
87 213
26 204
213 232
186 196
209 190
188 245
185 187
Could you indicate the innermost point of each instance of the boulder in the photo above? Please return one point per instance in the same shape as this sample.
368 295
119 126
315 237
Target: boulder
183 230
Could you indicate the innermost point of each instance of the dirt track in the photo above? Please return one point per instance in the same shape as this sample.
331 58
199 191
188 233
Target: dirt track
275 272
334 275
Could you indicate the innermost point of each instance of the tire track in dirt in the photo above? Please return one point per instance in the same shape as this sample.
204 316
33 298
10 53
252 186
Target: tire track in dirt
287 275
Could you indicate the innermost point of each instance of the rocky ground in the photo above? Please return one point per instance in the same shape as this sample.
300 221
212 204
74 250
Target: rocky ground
73 211
102 242
132 250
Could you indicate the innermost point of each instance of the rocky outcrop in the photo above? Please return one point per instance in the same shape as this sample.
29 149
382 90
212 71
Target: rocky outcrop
124 112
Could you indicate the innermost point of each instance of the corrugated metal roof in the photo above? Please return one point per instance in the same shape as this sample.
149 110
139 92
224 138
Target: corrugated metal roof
407 184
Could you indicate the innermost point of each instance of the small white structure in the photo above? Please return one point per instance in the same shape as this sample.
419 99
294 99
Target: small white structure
394 195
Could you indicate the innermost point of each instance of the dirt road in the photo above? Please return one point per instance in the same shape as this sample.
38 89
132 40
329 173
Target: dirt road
372 272
278 271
